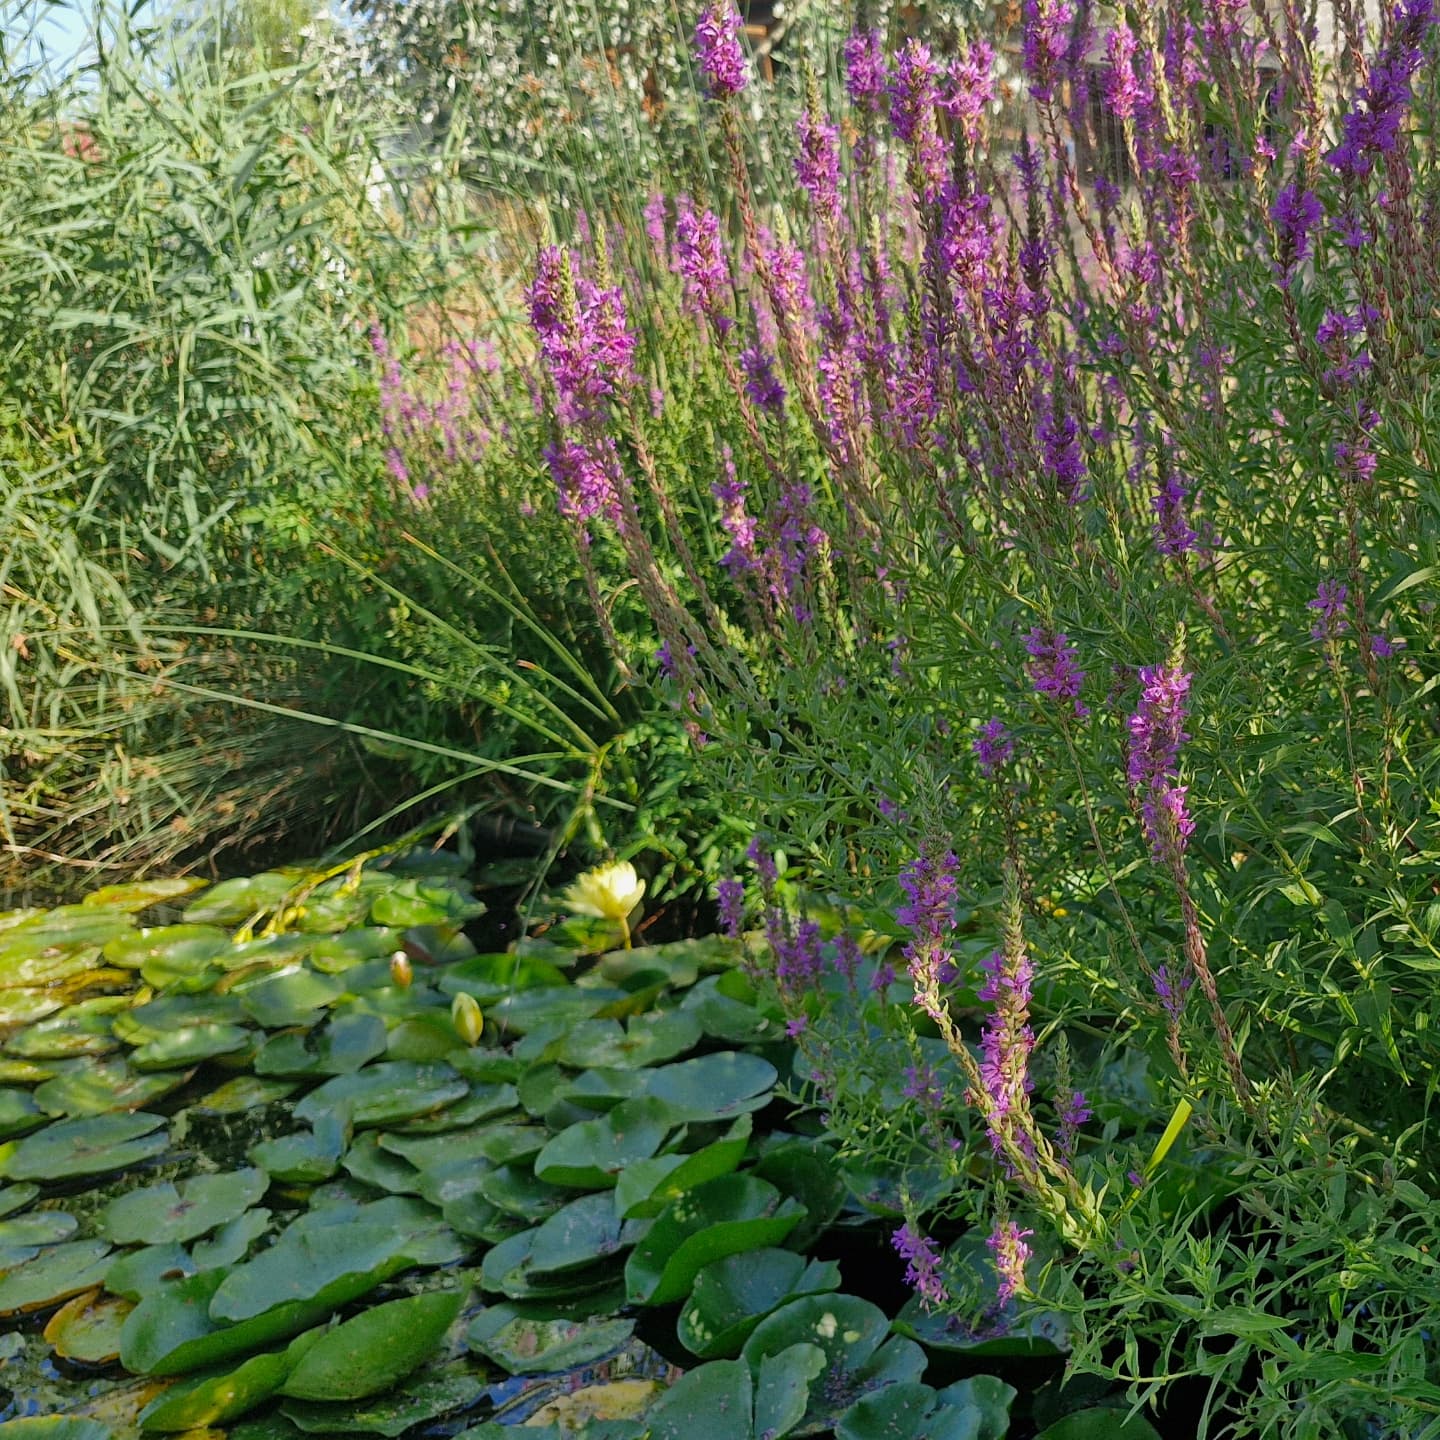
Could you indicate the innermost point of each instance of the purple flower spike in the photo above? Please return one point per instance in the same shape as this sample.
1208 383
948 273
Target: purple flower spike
730 898
865 70
1052 667
1156 735
922 1270
1331 599
1372 127
719 52
929 914
993 747
1297 215
1007 1245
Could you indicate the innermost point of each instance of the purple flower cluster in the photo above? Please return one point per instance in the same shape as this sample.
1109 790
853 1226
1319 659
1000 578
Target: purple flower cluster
737 524
913 99
1046 43
1372 126
1156 735
866 69
1297 215
993 748
971 90
922 1270
701 262
730 901
1007 1245
1170 993
1330 603
929 914
1052 668
1006 1043
584 341
1073 1114
817 163
762 386
1173 533
719 52
798 958
1122 91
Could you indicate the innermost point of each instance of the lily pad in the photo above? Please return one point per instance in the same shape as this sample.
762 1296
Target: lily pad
336 954
56 1427
516 1190
386 1093
289 998
40 1227
244 1092
852 1333
646 1040
393 1414
85 1147
55 1274
138 894
594 1152
576 1236
648 1186
231 1242
19 1114
1100 1423
232 901
136 1274
306 1159
341 1046
722 1217
188 949
376 1349
87 1328
214 1399
162 1213
486 1101
782 1387
732 1295
713 1402
81 1029
16 1197
526 1339
96 1087
366 1161
714 1087
189 1045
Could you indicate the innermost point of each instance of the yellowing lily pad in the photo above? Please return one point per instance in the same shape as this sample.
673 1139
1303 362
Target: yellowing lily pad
87 1328
138 894
523 1340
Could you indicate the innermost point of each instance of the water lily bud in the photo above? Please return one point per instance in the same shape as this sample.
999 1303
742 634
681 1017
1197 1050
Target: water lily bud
400 972
465 1016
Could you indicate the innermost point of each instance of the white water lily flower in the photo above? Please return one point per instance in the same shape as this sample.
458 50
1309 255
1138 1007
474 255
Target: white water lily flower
609 892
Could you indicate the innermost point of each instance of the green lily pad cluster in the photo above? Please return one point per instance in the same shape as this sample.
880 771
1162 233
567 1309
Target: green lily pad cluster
255 1175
